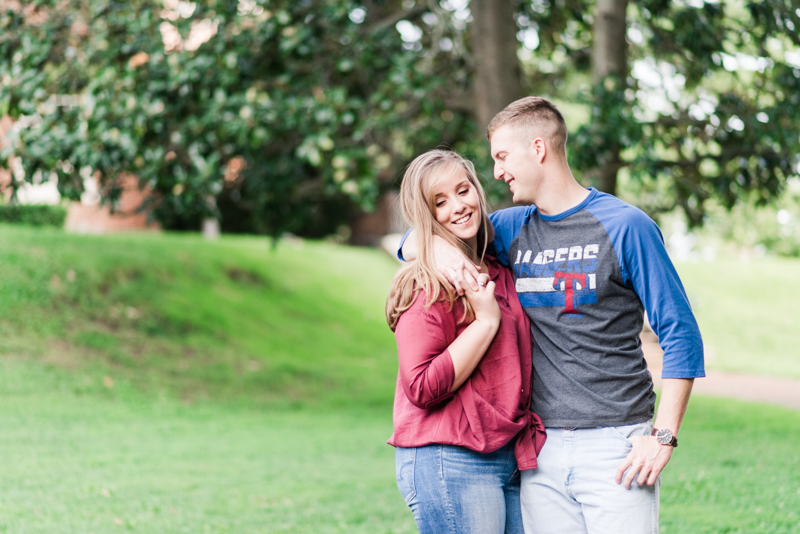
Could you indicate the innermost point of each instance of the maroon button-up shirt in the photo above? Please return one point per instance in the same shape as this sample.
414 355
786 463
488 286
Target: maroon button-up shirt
492 407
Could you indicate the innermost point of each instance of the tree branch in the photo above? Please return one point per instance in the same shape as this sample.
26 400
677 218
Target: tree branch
393 19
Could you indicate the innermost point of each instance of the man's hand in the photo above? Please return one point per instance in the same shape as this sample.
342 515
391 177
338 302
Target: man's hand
448 260
647 459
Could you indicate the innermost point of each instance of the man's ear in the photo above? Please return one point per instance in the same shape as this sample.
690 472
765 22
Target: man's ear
539 148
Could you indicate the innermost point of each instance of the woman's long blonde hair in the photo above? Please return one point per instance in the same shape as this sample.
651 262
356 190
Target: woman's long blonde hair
418 205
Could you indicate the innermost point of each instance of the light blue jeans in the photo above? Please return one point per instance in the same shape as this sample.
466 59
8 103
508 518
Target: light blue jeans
453 490
574 491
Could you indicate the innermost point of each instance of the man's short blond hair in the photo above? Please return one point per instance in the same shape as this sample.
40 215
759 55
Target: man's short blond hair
532 117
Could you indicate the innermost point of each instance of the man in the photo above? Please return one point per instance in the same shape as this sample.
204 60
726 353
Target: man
587 266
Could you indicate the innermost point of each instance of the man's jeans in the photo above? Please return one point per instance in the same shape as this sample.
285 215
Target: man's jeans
573 491
453 490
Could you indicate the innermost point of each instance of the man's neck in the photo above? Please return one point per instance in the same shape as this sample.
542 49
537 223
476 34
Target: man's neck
559 193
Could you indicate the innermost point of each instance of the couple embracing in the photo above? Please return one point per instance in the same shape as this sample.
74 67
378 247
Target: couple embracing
523 400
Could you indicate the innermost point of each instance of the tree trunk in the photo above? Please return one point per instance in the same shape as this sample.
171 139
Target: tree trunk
497 76
609 57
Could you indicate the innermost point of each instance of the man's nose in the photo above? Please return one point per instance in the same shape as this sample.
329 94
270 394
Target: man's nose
498 171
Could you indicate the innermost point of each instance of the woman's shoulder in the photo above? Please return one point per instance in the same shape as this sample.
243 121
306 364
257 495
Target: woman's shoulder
419 315
438 307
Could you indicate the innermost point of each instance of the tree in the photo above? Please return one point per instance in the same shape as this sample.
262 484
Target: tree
703 109
609 65
282 117
293 112
497 73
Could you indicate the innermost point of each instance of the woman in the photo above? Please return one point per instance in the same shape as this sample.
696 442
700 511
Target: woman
462 427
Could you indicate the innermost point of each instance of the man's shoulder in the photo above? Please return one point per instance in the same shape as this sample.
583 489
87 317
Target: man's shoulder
513 212
615 213
512 218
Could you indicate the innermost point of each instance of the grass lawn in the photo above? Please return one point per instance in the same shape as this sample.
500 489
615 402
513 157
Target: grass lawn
736 471
747 313
120 462
160 383
76 463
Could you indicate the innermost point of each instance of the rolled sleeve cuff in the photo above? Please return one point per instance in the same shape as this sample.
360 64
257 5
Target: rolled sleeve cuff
436 383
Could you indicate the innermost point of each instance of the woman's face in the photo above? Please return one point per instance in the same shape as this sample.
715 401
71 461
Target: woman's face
458 207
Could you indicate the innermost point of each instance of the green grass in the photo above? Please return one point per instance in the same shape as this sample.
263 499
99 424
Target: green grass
76 463
747 311
174 315
160 383
736 471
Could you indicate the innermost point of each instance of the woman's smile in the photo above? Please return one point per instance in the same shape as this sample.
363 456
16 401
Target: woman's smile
458 207
463 219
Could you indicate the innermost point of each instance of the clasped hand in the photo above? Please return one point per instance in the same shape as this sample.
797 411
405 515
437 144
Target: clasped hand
479 292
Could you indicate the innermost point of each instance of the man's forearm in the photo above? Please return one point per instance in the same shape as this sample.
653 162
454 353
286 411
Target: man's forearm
675 394
647 457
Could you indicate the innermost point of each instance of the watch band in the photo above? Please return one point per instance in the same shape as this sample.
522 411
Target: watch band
665 437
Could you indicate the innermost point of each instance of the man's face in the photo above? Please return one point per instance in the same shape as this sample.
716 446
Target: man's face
515 163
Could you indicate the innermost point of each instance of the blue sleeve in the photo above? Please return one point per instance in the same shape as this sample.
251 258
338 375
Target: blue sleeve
402 242
507 225
647 268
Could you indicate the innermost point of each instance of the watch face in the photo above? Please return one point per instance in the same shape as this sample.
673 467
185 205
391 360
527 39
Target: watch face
664 436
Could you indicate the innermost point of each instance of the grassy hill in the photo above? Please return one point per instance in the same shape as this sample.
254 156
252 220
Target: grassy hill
300 323
747 313
175 315
161 383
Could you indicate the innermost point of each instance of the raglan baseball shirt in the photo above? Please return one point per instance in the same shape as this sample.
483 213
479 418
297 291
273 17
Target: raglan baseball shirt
585 277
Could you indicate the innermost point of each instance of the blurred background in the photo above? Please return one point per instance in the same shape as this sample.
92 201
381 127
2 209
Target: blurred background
189 340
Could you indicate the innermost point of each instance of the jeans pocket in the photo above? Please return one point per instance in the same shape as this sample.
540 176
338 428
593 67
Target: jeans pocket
405 463
626 431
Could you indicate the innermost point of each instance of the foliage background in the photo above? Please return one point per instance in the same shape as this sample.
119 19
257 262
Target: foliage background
295 116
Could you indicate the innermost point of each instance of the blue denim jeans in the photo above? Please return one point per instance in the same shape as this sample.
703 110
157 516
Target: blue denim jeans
453 490
574 491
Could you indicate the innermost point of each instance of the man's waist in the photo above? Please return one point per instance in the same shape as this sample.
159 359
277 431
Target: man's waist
596 422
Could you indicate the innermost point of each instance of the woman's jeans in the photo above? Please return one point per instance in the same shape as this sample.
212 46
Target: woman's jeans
453 490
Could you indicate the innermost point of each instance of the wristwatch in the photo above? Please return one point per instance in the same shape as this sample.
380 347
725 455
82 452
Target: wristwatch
664 436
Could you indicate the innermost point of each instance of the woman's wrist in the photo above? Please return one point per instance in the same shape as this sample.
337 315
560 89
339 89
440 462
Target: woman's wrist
492 323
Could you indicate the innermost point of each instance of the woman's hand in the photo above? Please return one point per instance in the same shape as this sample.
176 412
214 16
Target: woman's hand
482 299
470 346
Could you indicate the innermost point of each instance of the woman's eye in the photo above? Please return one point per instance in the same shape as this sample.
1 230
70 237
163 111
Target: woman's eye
463 192
440 204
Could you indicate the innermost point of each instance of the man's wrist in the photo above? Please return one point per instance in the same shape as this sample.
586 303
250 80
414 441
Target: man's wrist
665 437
